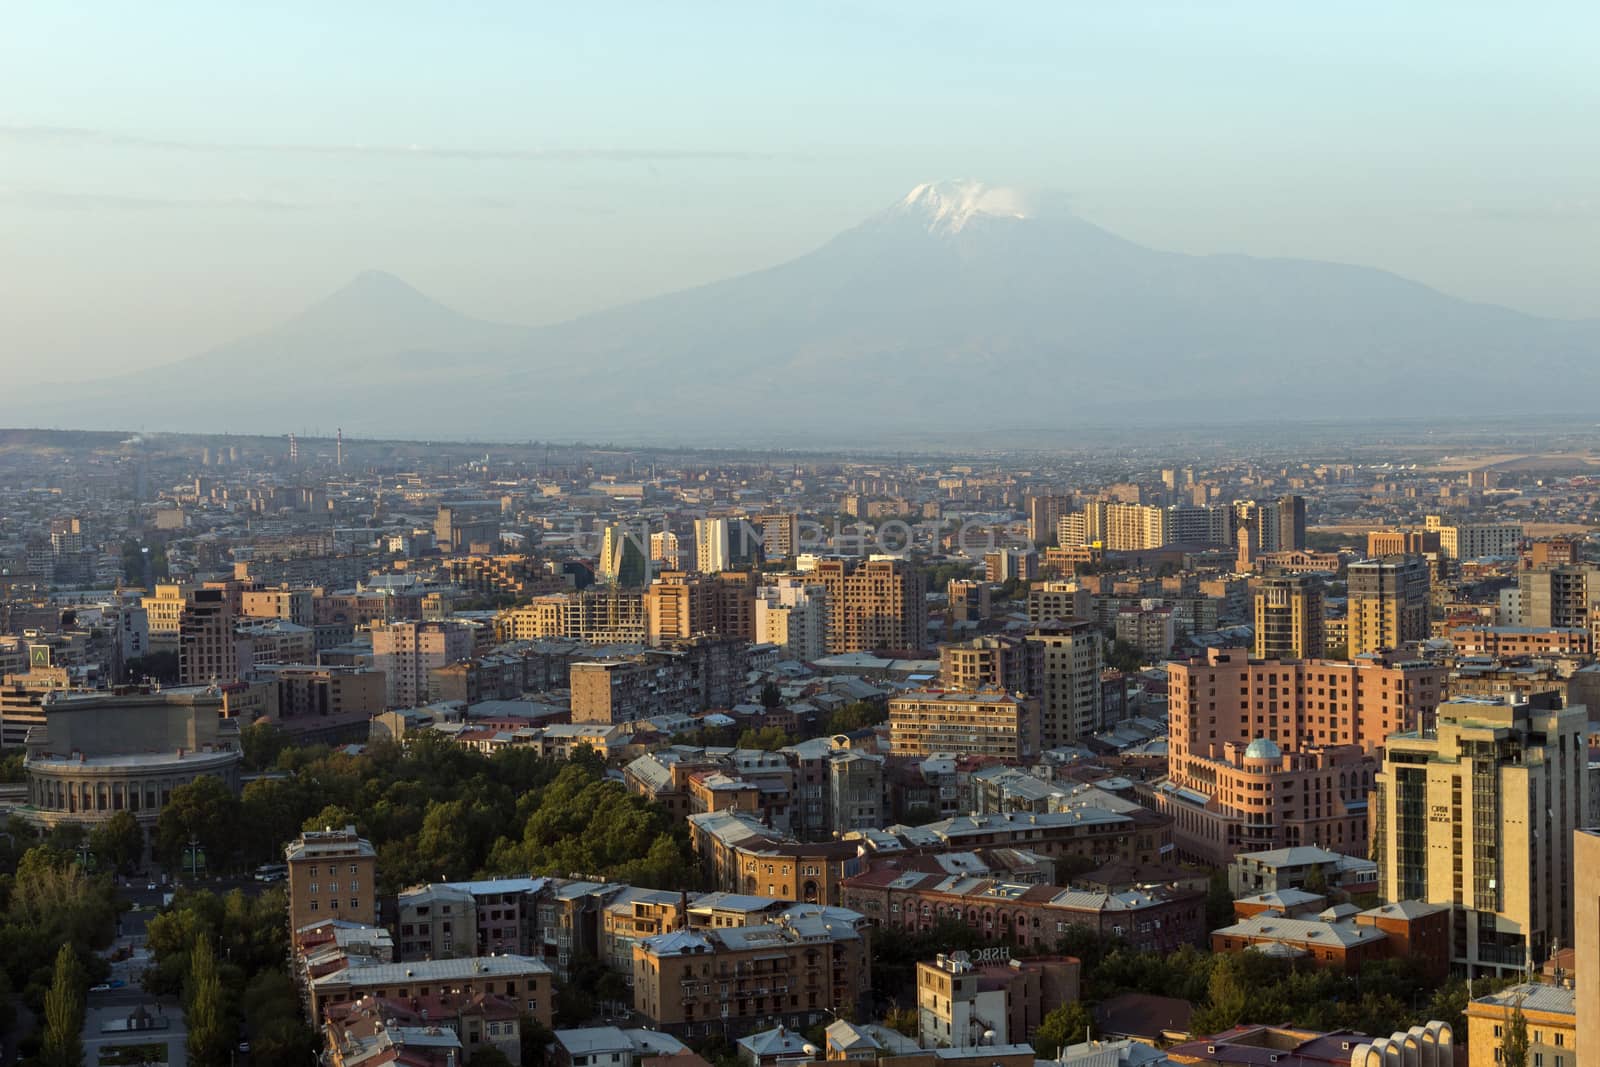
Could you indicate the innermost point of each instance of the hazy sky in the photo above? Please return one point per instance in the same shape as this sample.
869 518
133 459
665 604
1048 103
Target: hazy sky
174 175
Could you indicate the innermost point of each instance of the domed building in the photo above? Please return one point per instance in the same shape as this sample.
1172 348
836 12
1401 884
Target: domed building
1263 750
126 750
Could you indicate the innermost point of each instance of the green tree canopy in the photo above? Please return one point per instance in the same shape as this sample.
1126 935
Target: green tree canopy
63 1012
204 811
119 841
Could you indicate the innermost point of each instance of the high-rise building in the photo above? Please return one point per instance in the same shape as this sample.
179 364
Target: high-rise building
1289 618
780 534
679 606
1073 530
711 548
664 549
1586 932
1479 814
1558 596
1071 704
1136 527
1291 523
1388 603
1190 524
1044 515
994 661
792 613
874 604
209 651
406 651
624 560
1265 754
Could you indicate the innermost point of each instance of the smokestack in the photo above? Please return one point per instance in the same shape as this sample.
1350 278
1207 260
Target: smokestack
338 448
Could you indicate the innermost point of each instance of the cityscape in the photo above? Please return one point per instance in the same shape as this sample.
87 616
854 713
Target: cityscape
573 539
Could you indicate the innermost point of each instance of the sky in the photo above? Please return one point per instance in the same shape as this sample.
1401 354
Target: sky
177 175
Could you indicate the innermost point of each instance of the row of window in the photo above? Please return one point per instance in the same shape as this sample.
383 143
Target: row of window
333 905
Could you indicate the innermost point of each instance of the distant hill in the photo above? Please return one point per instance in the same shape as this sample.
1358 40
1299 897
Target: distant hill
961 307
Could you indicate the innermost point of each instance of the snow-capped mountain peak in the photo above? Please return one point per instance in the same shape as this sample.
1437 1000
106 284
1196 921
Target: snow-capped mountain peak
948 206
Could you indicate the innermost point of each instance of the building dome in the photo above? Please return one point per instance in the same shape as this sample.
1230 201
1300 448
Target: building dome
1263 748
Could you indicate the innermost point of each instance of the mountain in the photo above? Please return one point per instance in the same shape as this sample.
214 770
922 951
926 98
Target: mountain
962 307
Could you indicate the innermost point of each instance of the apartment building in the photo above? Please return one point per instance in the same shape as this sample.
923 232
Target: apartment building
1559 596
1479 813
1477 540
873 604
1071 704
1267 754
1388 603
792 613
333 874
1158 919
997 661
526 982
739 854
964 1002
985 722
809 964
406 651
1288 616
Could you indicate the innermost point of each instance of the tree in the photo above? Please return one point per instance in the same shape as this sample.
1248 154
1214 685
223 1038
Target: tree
1124 656
1219 901
853 717
262 743
1514 1045
119 841
1316 882
1068 1024
205 811
489 1056
203 1012
332 817
901 1020
63 1012
769 739
536 1041
770 696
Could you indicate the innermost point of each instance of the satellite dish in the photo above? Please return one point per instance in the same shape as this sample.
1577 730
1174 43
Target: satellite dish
809 1050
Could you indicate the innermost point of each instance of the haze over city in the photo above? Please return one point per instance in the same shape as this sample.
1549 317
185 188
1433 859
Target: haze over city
526 164
810 535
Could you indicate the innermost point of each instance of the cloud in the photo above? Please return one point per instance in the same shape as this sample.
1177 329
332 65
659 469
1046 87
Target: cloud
72 135
63 200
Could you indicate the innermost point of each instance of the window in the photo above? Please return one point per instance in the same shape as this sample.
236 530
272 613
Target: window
313 905
354 903
533 1005
354 869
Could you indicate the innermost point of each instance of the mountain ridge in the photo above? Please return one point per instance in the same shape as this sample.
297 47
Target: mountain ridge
893 324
